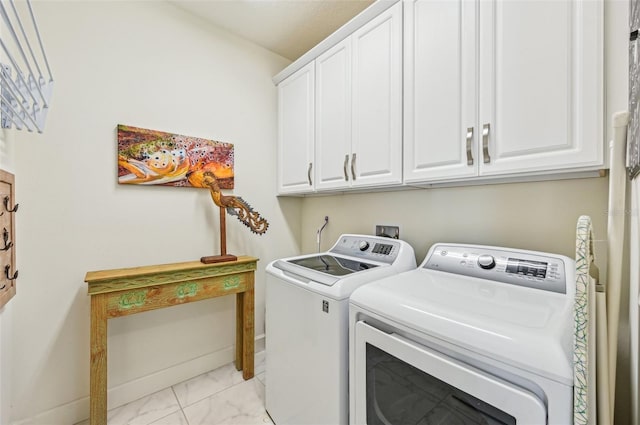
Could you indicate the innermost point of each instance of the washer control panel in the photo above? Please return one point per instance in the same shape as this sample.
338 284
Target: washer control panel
517 267
368 247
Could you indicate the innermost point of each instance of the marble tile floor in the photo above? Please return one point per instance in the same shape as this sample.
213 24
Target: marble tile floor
217 397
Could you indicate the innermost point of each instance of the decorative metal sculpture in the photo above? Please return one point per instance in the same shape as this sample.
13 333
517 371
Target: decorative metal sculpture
236 206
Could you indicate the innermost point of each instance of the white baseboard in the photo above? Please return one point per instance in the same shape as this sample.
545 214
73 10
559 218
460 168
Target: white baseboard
78 410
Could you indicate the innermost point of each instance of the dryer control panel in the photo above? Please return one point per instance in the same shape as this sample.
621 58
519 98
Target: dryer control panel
517 267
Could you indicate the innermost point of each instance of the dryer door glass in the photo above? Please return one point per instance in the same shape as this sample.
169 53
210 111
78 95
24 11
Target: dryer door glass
398 393
395 380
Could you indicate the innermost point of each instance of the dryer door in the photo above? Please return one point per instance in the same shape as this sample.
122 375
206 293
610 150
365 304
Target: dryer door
397 381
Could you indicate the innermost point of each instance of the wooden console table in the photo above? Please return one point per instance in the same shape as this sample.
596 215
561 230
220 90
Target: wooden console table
121 292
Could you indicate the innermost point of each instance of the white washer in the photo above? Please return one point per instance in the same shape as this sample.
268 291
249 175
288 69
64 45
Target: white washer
307 309
475 335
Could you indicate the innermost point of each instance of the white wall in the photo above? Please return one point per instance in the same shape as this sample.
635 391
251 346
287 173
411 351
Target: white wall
151 65
634 299
616 48
501 214
6 312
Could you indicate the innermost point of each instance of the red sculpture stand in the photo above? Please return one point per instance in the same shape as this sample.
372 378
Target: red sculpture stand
223 257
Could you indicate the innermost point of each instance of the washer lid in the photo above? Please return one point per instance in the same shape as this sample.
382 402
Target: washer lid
524 327
330 264
326 269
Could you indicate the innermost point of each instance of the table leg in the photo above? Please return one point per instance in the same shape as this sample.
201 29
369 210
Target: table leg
98 369
239 329
248 333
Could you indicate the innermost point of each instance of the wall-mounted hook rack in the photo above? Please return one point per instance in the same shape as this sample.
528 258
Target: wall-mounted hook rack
6 205
5 236
6 273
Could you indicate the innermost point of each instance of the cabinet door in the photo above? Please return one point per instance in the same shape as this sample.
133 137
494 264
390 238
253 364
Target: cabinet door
540 85
376 157
440 101
333 117
295 131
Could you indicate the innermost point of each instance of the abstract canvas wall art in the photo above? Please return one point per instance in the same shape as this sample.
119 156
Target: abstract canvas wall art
151 157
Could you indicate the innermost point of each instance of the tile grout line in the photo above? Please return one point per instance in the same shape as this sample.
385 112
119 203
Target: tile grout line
180 404
207 396
184 415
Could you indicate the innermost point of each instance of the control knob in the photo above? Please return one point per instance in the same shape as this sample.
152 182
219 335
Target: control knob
486 261
364 245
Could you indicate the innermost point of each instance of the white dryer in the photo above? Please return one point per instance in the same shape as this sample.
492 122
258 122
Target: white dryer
307 311
475 335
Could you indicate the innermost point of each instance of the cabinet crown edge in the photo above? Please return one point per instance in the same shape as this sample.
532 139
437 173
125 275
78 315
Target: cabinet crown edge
375 9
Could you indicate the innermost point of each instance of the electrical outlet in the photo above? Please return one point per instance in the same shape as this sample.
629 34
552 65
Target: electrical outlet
388 231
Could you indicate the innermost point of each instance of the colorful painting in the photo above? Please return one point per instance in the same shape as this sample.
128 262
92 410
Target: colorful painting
156 158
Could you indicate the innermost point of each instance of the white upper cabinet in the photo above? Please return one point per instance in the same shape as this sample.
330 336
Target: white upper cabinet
359 107
541 85
435 91
295 132
440 102
519 90
333 117
376 157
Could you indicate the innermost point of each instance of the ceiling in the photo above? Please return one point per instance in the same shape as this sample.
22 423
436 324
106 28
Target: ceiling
287 27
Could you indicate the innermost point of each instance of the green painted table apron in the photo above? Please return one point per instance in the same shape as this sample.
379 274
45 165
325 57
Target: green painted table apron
120 292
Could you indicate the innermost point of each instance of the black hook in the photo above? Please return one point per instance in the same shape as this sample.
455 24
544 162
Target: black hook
6 273
5 236
6 205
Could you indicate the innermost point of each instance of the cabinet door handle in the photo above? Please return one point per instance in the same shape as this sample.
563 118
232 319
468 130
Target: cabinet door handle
309 173
485 143
469 142
353 166
344 167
